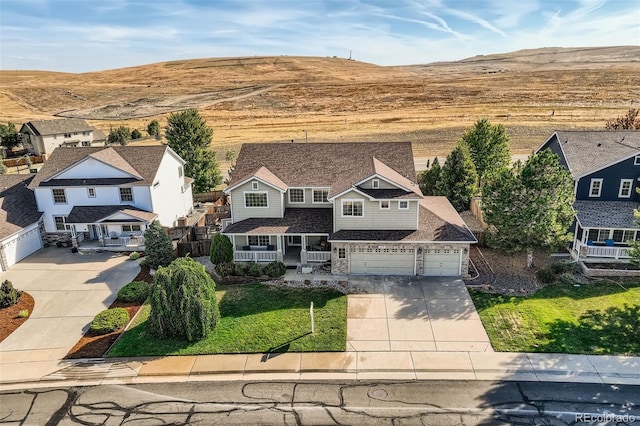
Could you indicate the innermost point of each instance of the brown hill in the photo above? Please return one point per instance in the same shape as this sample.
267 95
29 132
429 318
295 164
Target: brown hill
279 98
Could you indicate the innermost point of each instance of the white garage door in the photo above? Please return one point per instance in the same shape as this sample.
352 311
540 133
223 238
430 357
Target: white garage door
383 262
441 262
22 245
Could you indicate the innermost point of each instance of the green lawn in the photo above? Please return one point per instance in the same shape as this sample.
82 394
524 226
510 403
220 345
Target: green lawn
596 318
254 319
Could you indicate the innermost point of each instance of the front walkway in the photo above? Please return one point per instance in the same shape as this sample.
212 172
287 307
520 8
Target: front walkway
413 314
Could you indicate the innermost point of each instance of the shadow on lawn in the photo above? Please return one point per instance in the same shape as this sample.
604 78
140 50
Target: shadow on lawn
281 349
250 299
612 331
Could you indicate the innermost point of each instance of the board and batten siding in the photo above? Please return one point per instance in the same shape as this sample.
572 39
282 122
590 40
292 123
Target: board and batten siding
240 212
611 177
373 217
308 200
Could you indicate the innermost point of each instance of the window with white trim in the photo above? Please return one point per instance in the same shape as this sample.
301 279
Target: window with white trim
599 235
353 208
595 188
384 205
254 186
258 240
320 196
375 184
91 192
256 199
625 188
59 196
636 160
60 223
126 195
403 205
296 196
342 253
131 228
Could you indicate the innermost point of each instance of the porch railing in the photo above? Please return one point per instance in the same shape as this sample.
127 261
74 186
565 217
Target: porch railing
254 256
318 256
134 241
603 251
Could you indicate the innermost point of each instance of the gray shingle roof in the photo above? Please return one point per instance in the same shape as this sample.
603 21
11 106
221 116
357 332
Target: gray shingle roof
335 165
144 160
93 214
295 221
606 214
57 127
588 151
18 207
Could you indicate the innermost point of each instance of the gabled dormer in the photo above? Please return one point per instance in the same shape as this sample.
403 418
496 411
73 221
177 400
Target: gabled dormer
259 194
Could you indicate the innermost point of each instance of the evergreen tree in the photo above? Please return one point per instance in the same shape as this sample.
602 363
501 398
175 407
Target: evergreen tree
9 136
136 134
529 206
427 179
221 249
154 129
489 148
189 136
458 178
157 246
183 301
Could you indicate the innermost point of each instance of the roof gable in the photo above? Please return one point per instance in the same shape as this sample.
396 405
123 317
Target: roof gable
265 176
107 164
57 127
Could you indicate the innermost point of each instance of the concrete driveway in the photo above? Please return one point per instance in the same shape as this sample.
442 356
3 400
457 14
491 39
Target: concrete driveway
69 290
413 314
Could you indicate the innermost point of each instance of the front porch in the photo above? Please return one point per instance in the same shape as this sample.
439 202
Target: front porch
292 250
598 253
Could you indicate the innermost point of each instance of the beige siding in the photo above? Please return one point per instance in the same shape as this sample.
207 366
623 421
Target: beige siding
308 201
240 212
383 184
373 217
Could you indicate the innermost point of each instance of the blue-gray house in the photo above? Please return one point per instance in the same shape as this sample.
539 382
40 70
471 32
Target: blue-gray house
605 166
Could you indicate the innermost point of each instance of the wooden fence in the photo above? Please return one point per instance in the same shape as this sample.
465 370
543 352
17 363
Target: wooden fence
194 248
208 197
22 161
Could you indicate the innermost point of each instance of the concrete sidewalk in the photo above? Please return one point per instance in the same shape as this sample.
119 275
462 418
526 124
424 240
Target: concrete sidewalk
336 365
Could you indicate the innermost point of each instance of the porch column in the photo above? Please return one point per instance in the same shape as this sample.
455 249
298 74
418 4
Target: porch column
233 242
279 256
303 250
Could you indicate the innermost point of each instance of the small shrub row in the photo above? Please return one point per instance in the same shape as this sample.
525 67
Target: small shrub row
252 269
560 271
135 291
8 295
134 255
109 320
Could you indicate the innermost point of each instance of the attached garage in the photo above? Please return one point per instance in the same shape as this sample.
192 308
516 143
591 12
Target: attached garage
441 262
21 245
382 261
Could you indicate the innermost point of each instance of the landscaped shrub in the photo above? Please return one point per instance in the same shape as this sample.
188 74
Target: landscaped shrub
566 278
254 269
225 269
134 255
221 249
23 313
274 269
546 275
183 301
240 269
109 320
158 247
135 291
8 295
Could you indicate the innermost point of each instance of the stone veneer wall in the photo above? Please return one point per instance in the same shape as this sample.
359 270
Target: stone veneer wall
52 238
341 266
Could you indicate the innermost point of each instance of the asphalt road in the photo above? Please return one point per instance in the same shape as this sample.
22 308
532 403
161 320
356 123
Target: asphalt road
326 403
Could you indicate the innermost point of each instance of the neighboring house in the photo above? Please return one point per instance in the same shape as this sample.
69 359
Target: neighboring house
605 166
353 204
20 221
110 194
43 136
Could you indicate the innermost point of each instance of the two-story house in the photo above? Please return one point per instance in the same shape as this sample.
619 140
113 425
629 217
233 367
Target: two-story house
111 194
353 204
605 166
41 137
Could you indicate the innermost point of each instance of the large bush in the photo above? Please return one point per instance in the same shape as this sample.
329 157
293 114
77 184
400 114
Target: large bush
135 291
254 269
157 246
8 295
225 269
274 269
221 249
183 301
109 320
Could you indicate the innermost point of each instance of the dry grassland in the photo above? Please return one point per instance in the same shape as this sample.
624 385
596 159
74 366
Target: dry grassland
275 99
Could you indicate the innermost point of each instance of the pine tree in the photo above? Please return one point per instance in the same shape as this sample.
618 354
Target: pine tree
221 249
457 179
427 179
489 148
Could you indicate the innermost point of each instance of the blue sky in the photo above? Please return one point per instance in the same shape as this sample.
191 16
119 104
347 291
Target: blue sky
89 35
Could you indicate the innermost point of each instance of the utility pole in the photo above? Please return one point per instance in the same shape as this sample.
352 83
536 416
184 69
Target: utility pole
306 136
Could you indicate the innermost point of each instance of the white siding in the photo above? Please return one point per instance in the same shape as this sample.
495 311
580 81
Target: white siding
240 212
308 200
167 198
94 169
21 244
373 217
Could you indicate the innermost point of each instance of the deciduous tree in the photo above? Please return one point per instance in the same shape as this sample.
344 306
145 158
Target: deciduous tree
458 178
189 136
9 137
489 147
154 129
136 134
120 135
529 206
629 121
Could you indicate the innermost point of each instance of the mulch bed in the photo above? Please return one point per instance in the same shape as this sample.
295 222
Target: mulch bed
92 345
9 320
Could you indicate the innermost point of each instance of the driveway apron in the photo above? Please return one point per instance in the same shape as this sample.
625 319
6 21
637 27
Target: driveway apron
413 314
69 290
